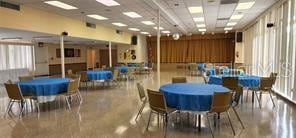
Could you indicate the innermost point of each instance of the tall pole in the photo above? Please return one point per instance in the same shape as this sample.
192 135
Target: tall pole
110 55
62 55
158 47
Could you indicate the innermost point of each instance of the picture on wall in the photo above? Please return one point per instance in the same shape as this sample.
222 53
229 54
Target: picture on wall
77 53
69 52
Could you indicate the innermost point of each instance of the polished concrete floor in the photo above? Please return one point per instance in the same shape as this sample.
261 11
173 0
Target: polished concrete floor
110 112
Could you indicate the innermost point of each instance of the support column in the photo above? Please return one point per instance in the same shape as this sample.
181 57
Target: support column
110 55
62 56
158 47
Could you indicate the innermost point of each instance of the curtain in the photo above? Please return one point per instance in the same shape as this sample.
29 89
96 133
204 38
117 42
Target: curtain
16 56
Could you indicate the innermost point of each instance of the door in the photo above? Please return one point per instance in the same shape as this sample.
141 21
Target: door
104 57
91 58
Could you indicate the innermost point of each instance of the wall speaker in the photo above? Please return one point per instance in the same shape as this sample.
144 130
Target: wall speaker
134 40
269 25
239 37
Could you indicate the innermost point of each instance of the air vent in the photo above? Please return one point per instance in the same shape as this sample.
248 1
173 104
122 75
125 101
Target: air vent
228 2
221 19
10 6
90 25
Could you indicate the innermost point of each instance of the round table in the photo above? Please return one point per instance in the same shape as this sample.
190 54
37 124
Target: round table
99 75
244 80
122 69
190 96
44 86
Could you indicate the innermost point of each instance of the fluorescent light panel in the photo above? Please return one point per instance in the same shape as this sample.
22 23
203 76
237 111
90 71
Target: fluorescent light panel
12 38
245 5
132 14
108 2
145 33
160 28
98 17
236 17
166 32
119 24
148 23
200 25
60 5
199 19
231 24
202 30
228 28
195 9
134 29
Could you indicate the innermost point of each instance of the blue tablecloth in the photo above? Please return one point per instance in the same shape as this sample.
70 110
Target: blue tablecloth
201 66
224 71
190 96
123 69
244 80
99 75
44 86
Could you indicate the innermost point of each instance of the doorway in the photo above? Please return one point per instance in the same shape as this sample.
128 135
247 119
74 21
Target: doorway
104 57
91 59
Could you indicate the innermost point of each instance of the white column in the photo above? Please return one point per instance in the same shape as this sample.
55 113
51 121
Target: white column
110 55
62 56
158 47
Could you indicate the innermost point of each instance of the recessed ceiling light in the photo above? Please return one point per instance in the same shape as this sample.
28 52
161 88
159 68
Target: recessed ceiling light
231 24
202 30
132 14
119 24
226 32
160 28
228 28
60 5
245 5
108 2
134 29
148 23
199 19
166 32
200 25
98 17
236 17
195 9
145 33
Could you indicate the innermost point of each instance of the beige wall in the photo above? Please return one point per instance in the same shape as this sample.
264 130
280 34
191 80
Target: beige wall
30 19
140 48
239 50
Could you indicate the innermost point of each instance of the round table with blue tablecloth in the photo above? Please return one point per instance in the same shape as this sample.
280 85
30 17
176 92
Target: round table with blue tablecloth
122 69
244 80
44 86
99 75
190 96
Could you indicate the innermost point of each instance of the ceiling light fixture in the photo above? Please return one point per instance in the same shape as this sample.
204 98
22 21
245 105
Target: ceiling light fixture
160 28
132 14
199 19
148 23
166 32
98 17
195 9
12 38
236 17
228 28
119 24
108 2
134 29
202 30
245 5
200 25
61 5
231 24
145 33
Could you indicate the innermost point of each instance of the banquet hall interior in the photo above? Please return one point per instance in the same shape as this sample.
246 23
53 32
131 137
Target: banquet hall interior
148 68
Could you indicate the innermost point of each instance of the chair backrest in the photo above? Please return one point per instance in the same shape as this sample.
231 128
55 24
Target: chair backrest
74 76
234 72
115 74
242 68
73 86
217 71
69 72
193 66
266 83
230 82
179 80
221 101
130 70
273 76
157 101
83 76
141 91
13 91
26 78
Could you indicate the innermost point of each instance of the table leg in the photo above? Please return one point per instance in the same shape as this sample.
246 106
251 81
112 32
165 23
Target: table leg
252 96
199 122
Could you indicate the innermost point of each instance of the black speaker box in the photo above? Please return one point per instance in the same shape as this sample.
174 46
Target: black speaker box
134 40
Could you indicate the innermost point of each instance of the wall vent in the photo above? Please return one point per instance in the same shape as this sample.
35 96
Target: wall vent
90 25
228 2
10 5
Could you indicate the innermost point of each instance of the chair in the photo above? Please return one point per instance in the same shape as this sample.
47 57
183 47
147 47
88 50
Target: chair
158 105
193 69
221 102
73 90
142 97
69 72
230 83
26 78
273 76
234 72
115 76
217 71
74 76
235 102
131 73
265 86
83 78
15 95
179 80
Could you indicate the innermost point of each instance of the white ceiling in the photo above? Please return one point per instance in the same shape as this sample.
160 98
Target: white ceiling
170 13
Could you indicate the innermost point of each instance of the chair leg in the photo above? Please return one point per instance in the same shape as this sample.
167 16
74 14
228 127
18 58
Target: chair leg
210 125
271 98
238 117
148 121
22 109
259 102
140 111
230 123
37 105
67 101
166 124
8 107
